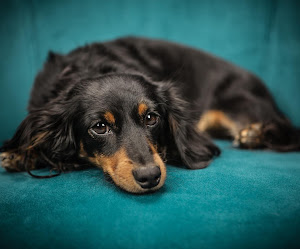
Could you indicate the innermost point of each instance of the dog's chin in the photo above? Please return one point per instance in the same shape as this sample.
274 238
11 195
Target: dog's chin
138 190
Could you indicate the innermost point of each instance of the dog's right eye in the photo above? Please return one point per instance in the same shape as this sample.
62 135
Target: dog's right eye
101 128
151 119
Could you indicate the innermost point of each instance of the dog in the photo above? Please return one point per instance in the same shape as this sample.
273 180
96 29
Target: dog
130 105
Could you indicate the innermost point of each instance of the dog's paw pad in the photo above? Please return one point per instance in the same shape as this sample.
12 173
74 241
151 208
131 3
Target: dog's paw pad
251 137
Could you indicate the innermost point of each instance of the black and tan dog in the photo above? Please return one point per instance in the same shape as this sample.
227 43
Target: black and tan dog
129 105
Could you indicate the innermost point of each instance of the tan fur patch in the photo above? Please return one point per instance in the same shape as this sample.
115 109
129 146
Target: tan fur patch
36 140
142 109
10 161
110 118
215 120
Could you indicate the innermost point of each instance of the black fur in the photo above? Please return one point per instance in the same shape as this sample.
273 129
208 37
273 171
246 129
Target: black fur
178 84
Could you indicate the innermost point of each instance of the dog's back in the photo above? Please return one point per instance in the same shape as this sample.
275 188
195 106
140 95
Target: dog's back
195 72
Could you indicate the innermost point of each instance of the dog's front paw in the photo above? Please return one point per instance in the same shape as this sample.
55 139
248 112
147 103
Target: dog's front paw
11 161
202 157
251 137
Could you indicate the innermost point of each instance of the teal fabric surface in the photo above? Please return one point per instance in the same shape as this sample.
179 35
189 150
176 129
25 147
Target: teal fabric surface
245 199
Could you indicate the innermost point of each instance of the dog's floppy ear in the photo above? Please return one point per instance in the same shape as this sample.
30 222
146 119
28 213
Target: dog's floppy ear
45 131
194 149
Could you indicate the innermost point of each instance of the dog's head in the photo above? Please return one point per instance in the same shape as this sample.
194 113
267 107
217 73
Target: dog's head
120 126
124 124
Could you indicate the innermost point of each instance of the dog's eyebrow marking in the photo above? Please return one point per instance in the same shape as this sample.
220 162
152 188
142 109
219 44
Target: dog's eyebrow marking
142 108
110 118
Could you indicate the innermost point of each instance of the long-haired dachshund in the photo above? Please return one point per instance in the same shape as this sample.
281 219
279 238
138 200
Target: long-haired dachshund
130 105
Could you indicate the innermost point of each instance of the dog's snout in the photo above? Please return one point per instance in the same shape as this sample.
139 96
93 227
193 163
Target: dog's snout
147 177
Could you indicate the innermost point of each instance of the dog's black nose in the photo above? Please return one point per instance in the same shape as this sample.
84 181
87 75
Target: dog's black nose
147 177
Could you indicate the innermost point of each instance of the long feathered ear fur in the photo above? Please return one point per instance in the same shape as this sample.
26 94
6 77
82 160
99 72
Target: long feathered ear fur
47 131
186 144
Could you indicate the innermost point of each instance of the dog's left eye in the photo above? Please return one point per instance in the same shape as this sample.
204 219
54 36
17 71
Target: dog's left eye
151 119
101 128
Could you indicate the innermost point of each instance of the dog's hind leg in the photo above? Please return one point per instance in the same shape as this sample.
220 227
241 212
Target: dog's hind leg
218 124
277 134
244 110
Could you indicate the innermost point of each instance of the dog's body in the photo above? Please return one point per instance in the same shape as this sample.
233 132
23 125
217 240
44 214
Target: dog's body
130 104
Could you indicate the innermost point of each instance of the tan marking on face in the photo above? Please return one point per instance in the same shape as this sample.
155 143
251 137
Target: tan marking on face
216 120
159 162
153 147
142 109
110 118
119 166
82 152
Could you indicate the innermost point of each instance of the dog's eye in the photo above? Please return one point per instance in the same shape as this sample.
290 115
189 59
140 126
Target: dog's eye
151 119
101 128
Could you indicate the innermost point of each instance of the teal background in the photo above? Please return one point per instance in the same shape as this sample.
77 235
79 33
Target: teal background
245 199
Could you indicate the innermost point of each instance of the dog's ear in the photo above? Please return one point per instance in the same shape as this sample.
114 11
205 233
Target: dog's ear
194 149
48 131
